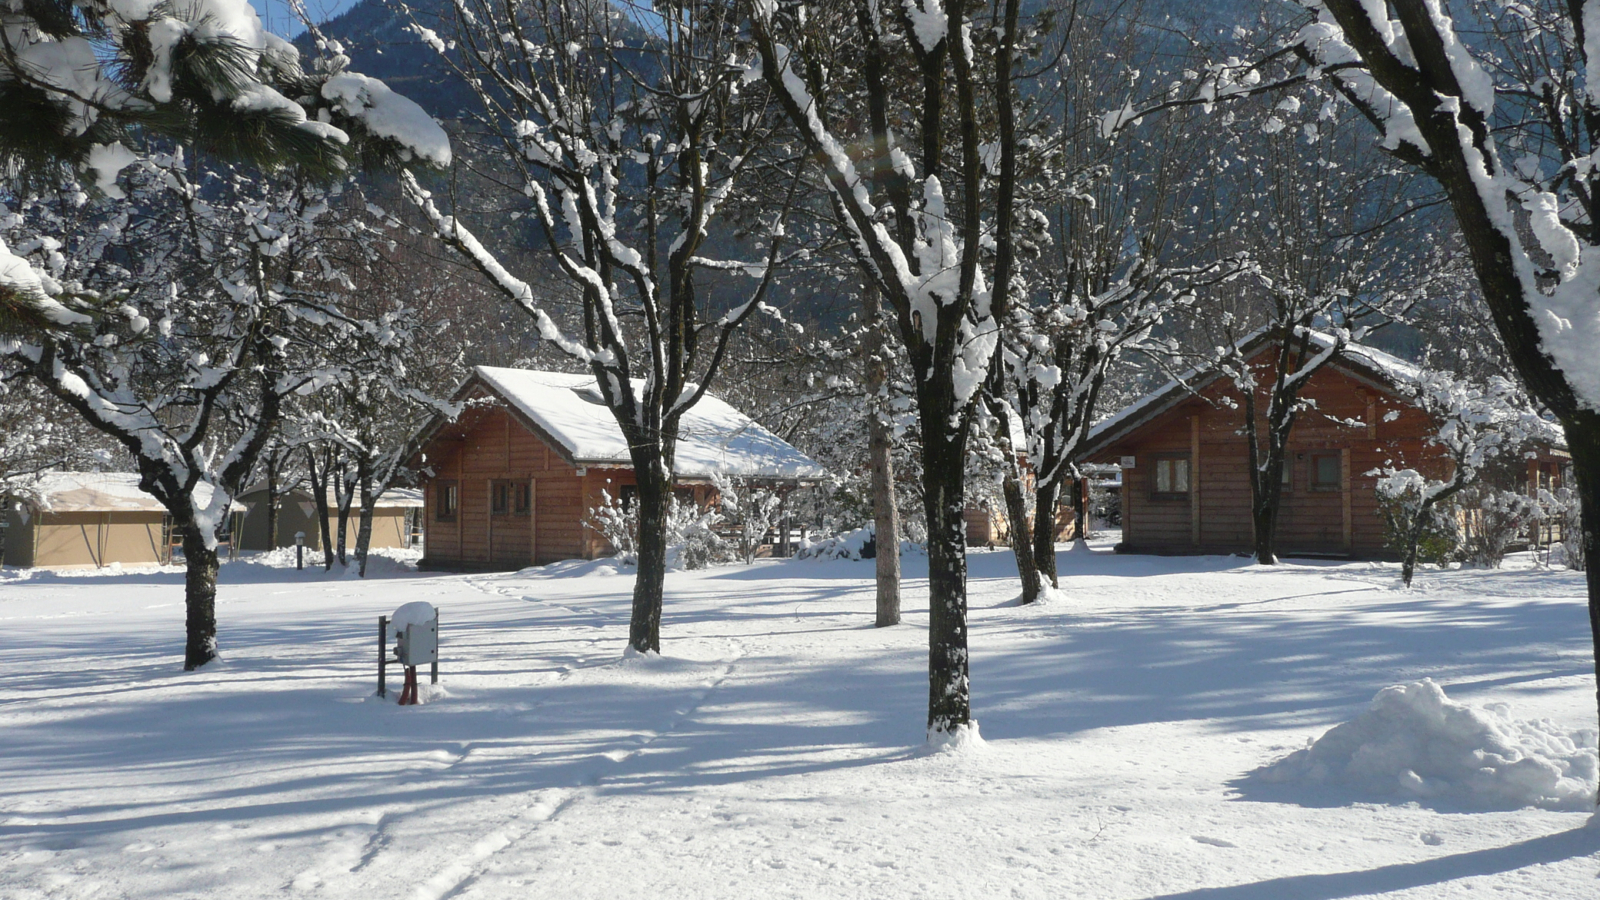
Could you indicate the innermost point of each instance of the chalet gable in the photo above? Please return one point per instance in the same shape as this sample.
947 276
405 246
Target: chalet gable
1378 371
566 412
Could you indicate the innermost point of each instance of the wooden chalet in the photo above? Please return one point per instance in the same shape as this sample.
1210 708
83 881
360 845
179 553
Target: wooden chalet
513 478
1185 463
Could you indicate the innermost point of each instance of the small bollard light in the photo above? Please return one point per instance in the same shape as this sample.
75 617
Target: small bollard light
299 549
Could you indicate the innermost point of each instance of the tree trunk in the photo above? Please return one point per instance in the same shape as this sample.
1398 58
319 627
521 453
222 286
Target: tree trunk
1080 508
347 491
368 502
1045 497
649 585
319 502
1264 518
886 524
1408 568
880 453
200 598
1021 536
944 483
272 502
1583 440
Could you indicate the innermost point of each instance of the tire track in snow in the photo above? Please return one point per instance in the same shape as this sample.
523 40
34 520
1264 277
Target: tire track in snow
606 619
459 877
697 699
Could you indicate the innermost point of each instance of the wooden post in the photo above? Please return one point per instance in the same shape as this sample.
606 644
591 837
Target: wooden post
783 523
489 518
434 673
1535 529
383 653
1194 480
1128 475
1344 499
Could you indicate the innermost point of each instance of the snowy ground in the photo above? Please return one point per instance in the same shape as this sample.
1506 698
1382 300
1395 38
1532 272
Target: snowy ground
776 750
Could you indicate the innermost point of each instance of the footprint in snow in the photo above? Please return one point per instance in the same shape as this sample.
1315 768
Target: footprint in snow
1213 842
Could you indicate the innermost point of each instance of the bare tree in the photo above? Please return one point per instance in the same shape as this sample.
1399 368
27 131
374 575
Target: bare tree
919 242
641 130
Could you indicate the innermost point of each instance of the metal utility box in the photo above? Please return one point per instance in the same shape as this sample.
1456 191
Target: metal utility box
419 644
415 644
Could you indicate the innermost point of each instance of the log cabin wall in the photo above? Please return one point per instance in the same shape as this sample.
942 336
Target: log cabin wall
1355 427
519 503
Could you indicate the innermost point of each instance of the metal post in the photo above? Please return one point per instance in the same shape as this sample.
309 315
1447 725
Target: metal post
433 673
383 653
299 549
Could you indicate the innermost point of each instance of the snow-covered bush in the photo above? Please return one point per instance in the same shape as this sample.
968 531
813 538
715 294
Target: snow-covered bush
1563 508
1479 424
752 510
618 522
1437 536
1491 521
692 542
858 544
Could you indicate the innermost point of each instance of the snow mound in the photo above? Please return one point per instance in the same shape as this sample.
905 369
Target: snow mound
1414 743
579 568
964 740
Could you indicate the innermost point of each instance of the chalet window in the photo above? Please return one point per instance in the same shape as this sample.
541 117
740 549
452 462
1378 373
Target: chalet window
1287 479
1172 477
500 497
522 498
626 495
1326 472
446 499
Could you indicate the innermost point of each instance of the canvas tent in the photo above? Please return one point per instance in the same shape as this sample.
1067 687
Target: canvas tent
394 520
88 519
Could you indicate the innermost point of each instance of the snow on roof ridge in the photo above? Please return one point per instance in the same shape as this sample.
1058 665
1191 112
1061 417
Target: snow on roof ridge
713 436
1383 363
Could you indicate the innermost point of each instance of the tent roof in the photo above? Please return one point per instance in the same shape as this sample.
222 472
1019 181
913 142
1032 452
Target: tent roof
393 498
100 492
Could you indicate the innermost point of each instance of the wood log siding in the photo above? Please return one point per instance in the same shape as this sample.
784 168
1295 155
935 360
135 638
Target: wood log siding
493 447
1349 420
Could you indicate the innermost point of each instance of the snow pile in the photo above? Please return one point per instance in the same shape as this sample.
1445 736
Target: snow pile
962 740
850 545
1413 742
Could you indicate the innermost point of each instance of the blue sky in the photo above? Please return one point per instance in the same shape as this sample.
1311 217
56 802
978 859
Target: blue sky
276 16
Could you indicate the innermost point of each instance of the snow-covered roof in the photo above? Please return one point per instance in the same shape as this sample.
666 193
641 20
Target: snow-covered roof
1392 369
714 438
393 498
100 492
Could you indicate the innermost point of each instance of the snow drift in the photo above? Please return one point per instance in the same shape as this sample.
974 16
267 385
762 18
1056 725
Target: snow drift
1415 743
